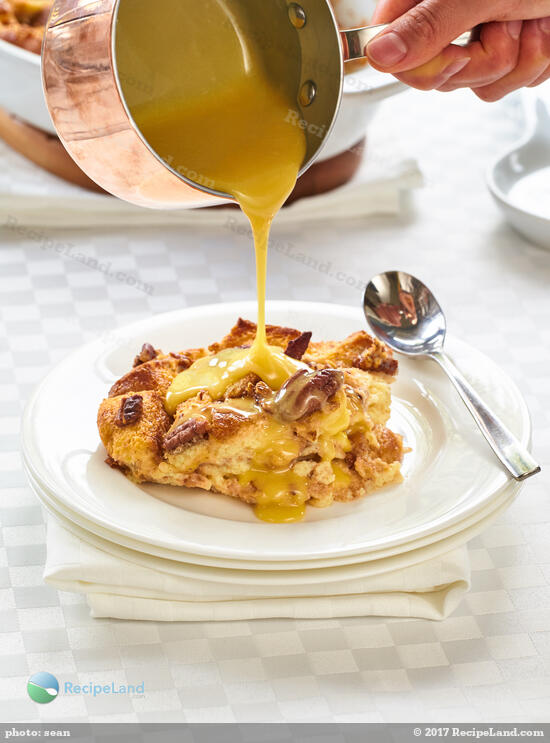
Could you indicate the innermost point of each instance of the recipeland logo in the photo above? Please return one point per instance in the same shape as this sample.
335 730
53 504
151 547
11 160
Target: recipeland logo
43 688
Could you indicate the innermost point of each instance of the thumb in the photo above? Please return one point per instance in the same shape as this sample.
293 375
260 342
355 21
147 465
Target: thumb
422 33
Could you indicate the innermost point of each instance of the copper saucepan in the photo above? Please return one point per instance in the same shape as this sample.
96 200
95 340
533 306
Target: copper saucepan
88 97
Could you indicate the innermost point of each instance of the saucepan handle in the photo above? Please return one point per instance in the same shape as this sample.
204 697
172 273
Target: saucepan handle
355 40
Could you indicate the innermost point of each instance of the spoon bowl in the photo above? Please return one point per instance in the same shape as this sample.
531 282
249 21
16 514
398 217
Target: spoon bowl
404 313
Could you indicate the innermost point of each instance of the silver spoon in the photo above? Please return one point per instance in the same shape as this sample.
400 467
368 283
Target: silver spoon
404 313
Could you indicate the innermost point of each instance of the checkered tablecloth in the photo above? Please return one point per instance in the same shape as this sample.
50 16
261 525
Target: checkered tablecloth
491 660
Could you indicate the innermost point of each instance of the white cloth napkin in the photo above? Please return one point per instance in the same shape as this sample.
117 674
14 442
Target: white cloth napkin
121 584
31 197
427 582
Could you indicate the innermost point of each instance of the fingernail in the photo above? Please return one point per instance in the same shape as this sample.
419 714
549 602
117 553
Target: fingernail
544 25
514 29
456 66
387 49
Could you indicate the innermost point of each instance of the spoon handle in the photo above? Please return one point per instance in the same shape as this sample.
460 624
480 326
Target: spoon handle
513 455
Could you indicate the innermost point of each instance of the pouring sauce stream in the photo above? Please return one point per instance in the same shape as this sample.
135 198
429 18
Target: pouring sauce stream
222 121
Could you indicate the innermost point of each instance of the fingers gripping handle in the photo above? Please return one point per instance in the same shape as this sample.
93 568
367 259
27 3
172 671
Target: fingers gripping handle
355 40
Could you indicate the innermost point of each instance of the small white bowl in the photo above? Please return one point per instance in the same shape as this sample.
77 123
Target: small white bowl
520 179
21 86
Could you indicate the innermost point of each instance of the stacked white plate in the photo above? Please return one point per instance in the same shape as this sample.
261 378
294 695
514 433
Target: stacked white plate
453 485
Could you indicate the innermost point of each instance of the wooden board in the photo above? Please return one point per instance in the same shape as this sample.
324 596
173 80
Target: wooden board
43 149
46 150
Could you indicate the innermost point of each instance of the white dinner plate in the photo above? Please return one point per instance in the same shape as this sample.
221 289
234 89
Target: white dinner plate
450 473
49 500
284 574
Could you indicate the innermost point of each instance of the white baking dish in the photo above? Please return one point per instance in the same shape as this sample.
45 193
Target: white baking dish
21 95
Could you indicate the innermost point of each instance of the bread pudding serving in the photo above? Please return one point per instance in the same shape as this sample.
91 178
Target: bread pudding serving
202 418
22 22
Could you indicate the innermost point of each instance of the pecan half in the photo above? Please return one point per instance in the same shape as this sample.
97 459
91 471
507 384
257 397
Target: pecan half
146 354
130 411
184 362
261 392
242 388
297 348
185 433
305 393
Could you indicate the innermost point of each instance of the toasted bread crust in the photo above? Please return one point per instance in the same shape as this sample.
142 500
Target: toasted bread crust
359 350
157 374
137 448
244 332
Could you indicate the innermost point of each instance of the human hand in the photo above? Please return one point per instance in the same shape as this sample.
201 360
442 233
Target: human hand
511 50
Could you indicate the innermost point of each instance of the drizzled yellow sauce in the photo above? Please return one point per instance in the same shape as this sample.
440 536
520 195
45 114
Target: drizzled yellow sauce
276 514
216 105
216 373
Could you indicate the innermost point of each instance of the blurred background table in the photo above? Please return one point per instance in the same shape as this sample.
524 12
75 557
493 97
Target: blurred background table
491 660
